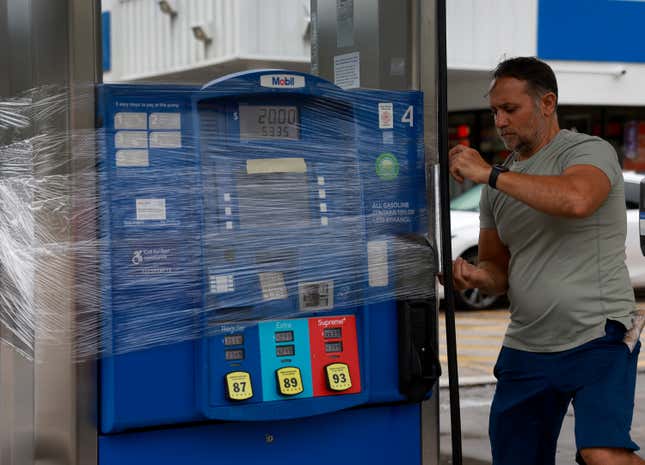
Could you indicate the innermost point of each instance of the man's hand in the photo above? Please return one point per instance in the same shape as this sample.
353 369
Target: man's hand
468 276
467 163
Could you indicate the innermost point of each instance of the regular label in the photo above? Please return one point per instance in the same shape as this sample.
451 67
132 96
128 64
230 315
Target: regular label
338 378
289 381
238 385
151 209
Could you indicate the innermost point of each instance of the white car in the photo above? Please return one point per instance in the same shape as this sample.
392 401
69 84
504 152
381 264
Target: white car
464 221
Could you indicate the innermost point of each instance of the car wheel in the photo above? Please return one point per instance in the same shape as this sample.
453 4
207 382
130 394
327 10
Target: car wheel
474 299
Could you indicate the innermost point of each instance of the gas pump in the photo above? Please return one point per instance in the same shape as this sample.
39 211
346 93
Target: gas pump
281 219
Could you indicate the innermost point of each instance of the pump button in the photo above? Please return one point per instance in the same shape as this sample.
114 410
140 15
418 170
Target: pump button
338 378
238 385
289 381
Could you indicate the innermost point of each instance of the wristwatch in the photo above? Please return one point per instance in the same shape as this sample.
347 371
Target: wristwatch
496 171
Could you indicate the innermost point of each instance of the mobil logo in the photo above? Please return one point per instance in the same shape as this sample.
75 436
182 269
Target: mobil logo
282 81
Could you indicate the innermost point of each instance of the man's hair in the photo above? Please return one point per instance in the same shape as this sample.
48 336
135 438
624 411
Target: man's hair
539 76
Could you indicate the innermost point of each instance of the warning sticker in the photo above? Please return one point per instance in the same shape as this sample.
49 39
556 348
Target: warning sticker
385 116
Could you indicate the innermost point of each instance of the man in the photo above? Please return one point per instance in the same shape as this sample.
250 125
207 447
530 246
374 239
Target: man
552 236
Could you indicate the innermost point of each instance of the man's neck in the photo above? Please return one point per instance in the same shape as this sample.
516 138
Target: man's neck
552 131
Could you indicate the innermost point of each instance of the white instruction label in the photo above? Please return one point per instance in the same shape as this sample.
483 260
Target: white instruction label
385 116
377 264
165 121
347 70
222 283
151 209
125 120
273 287
131 140
132 158
165 140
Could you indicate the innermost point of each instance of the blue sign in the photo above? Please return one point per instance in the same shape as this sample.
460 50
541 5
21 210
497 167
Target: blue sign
591 30
107 41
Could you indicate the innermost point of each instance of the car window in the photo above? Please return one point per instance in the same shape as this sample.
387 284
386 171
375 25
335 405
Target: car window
468 201
632 194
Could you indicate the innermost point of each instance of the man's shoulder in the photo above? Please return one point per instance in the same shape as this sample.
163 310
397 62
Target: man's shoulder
572 140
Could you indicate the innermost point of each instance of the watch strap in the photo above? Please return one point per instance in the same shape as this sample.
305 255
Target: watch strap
495 172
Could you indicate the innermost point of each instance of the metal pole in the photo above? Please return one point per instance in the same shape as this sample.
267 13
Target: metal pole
444 188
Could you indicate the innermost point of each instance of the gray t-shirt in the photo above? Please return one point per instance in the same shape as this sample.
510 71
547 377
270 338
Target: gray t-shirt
566 276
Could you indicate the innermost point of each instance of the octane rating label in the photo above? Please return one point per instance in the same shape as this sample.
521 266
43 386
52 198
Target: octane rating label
238 385
289 381
338 377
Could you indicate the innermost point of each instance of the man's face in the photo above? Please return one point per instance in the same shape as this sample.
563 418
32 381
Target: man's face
518 118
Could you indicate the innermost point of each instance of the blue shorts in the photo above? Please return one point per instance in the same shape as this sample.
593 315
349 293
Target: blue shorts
534 391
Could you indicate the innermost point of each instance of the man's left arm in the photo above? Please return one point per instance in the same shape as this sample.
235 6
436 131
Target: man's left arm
576 193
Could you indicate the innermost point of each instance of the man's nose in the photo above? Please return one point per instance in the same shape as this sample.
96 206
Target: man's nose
501 120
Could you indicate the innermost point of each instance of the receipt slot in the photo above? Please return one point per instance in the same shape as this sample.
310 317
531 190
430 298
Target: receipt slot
262 273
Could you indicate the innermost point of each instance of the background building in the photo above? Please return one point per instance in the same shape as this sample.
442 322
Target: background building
593 45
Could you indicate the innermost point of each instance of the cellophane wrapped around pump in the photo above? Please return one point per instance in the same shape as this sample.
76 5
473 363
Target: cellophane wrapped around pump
190 207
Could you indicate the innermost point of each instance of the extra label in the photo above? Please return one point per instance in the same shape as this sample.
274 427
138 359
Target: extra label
289 381
238 385
338 378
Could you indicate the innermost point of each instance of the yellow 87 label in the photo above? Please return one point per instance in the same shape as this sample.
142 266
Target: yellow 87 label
289 381
238 385
338 377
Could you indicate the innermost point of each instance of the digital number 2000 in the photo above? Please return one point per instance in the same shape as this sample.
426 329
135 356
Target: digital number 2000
275 122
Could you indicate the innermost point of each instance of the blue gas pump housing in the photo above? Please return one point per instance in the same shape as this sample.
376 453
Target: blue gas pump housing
257 236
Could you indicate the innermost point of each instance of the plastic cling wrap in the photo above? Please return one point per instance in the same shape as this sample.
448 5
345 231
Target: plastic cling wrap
191 207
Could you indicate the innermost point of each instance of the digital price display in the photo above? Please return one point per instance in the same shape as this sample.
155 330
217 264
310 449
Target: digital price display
333 333
333 347
234 340
235 354
284 336
285 351
268 122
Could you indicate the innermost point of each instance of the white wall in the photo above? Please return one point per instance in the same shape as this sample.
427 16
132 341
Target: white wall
147 43
480 33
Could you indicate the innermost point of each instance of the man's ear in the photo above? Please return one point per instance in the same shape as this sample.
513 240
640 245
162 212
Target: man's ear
549 102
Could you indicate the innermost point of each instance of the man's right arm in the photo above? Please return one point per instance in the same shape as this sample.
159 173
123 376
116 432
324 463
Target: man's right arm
491 273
